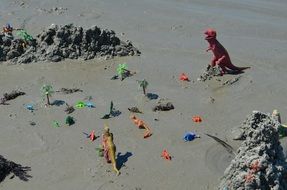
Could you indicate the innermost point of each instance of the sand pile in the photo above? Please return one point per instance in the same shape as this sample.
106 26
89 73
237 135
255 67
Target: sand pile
60 42
259 163
209 73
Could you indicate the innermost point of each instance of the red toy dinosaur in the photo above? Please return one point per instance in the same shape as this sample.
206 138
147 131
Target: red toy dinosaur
221 57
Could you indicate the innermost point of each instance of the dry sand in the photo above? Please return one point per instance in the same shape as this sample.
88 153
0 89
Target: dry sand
169 35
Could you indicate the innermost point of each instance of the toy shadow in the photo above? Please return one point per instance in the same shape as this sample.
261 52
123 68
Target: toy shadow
58 103
114 113
8 167
233 72
122 159
125 75
152 96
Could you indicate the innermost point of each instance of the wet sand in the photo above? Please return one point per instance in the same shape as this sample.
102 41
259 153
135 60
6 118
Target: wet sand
170 36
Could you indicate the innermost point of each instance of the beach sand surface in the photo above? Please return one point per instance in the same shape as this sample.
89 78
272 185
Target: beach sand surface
169 33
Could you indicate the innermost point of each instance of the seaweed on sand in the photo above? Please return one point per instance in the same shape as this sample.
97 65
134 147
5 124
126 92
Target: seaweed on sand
7 167
10 96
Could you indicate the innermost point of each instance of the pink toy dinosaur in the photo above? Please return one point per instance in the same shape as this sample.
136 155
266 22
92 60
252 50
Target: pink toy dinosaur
221 57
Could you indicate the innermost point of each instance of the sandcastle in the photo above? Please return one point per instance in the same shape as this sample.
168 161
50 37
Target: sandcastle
259 162
57 43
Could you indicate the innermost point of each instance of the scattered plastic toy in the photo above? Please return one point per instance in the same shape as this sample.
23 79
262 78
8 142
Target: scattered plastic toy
190 136
183 77
70 120
56 124
89 105
69 109
80 104
276 115
30 107
143 84
47 90
141 125
92 136
196 119
123 71
24 35
165 155
109 148
7 30
282 130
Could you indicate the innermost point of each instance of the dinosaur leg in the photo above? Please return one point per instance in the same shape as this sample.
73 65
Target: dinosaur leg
106 155
213 61
223 69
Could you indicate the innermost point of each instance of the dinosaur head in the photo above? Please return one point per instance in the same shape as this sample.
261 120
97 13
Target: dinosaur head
210 34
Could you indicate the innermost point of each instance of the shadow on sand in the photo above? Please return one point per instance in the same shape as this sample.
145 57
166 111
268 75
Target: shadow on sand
122 159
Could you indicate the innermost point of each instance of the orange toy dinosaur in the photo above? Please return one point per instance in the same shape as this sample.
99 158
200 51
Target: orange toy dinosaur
221 57
141 125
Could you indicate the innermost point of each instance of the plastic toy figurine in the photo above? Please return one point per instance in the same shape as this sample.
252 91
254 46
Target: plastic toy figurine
89 105
183 77
80 104
109 148
56 124
7 30
70 120
165 155
24 35
69 109
47 90
143 84
197 119
92 136
190 136
123 71
30 107
141 125
100 151
282 129
221 57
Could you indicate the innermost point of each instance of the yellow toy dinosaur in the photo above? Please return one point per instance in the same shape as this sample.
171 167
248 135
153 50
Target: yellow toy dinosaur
109 148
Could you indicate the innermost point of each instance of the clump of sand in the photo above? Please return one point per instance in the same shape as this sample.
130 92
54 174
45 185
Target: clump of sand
260 162
60 42
210 73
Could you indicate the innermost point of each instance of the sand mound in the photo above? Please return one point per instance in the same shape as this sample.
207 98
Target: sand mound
61 42
210 73
259 163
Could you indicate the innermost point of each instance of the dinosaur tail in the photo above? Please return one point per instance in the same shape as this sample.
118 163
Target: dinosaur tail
112 155
233 67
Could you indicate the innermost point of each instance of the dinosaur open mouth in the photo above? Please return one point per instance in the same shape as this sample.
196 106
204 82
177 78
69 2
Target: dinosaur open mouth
208 37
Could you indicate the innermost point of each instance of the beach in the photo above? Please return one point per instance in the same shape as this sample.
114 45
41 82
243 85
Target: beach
169 34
